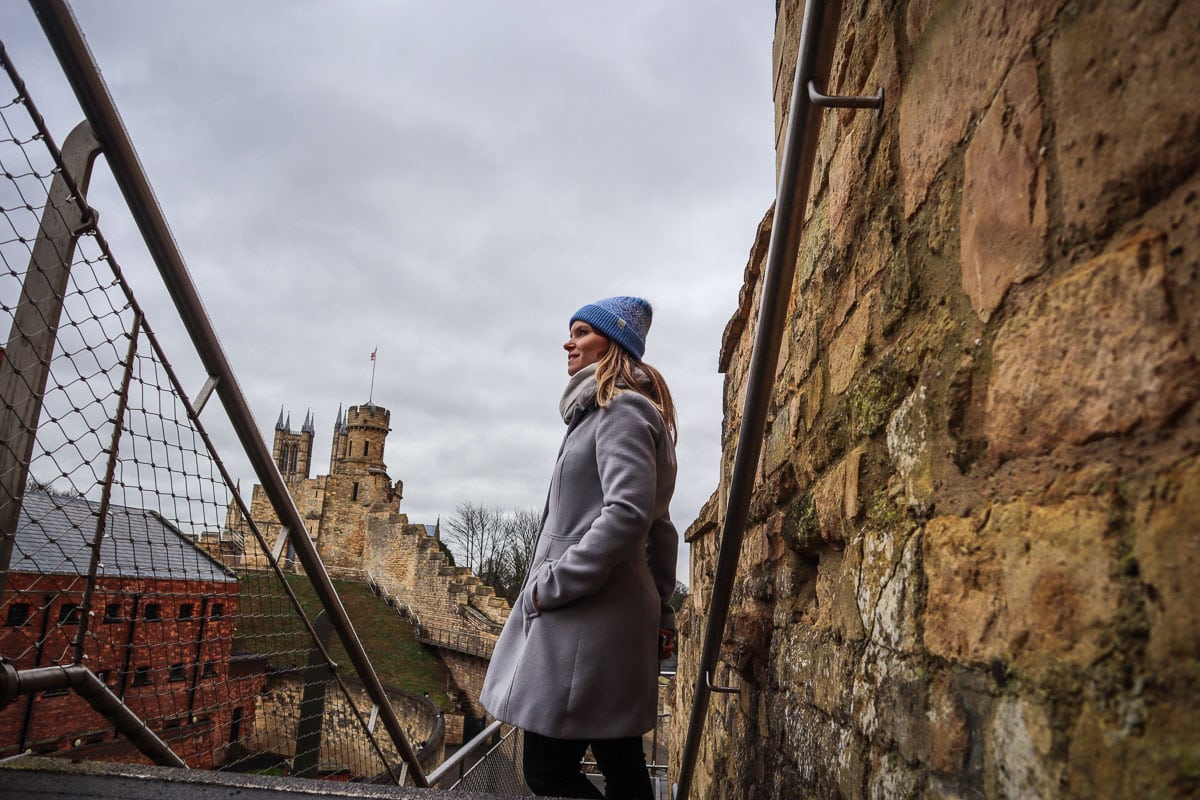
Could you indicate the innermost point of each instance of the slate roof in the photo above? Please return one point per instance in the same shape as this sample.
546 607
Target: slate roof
55 534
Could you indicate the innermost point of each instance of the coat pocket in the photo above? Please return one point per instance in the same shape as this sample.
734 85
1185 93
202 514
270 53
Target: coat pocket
557 544
528 607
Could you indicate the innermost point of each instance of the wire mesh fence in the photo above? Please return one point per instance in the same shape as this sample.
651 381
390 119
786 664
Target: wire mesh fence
497 771
124 545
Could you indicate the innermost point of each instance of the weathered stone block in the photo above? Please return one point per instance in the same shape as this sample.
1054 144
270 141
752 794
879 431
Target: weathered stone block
1136 749
1167 548
1098 352
836 607
964 54
1140 64
948 732
848 349
889 701
908 446
1034 585
836 497
1004 193
887 588
1018 759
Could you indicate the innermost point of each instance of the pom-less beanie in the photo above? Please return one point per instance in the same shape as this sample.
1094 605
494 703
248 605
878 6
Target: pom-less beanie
625 320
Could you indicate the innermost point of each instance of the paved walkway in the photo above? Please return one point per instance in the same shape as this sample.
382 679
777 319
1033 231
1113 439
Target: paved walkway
36 778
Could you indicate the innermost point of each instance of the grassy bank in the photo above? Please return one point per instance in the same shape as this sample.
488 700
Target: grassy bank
268 625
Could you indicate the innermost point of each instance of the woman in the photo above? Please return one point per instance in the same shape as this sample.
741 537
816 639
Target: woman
577 661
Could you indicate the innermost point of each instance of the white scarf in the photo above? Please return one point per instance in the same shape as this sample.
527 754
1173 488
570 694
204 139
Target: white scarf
580 392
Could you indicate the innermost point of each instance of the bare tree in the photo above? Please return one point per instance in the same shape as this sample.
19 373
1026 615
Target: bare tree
523 526
496 545
474 534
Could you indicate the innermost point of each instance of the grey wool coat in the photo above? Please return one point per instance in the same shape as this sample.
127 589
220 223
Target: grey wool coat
585 665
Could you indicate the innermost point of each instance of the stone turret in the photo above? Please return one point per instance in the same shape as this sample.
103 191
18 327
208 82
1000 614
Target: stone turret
358 482
365 430
338 450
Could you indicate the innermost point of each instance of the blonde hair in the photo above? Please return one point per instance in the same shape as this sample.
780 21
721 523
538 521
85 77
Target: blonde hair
618 371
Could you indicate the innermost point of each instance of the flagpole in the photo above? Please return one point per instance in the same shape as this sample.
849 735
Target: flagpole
371 394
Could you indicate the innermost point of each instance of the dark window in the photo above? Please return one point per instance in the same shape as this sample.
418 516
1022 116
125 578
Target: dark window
217 610
235 725
210 670
153 612
354 493
112 612
68 613
141 676
18 615
366 447
185 611
177 673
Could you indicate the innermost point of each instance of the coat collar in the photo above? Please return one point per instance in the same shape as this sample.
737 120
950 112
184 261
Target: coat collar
580 394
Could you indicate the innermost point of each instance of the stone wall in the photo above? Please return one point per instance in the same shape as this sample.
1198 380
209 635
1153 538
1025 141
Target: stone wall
970 564
449 606
344 745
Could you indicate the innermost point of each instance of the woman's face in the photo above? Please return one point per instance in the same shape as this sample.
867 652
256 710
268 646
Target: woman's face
585 346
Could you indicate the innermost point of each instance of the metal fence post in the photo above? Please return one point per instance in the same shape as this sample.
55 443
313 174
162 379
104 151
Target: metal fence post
25 367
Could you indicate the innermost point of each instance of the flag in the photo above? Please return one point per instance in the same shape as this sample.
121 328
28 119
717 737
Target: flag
373 352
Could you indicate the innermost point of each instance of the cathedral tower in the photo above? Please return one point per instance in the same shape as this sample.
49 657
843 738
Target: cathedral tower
292 451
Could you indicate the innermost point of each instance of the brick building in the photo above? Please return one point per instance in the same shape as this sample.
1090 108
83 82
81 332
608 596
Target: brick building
159 633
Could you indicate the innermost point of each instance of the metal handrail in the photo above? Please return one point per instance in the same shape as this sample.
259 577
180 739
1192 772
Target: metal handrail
471 644
476 743
63 33
14 682
814 56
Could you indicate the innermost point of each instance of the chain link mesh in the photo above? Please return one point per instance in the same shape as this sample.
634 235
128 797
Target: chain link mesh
120 518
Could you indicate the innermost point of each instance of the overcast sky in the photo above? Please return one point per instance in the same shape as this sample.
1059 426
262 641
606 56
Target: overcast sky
447 182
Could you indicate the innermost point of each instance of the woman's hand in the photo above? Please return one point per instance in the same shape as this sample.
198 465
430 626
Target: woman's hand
666 643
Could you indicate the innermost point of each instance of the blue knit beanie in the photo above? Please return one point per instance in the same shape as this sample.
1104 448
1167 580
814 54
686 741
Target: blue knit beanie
625 320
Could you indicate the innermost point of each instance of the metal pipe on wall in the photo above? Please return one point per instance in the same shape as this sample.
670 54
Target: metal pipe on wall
64 35
814 56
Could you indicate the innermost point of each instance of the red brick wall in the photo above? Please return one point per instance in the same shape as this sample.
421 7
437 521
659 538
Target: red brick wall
173 672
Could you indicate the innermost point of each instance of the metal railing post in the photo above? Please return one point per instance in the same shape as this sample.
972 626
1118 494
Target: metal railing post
79 66
814 56
25 367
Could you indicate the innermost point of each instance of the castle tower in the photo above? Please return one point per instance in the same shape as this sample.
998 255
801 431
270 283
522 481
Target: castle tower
357 486
365 430
292 451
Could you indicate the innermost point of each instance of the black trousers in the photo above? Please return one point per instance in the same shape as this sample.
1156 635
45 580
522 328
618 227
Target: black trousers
551 767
